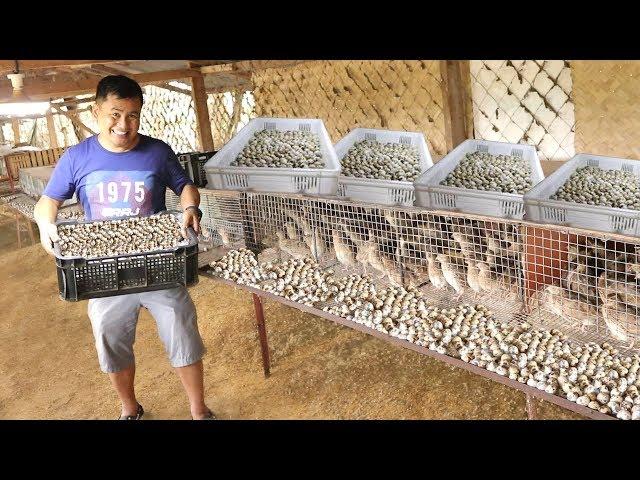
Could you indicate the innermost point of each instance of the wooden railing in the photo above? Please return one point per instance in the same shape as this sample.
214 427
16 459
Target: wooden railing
15 161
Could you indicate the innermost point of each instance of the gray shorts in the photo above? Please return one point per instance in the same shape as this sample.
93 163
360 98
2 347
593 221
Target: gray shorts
114 321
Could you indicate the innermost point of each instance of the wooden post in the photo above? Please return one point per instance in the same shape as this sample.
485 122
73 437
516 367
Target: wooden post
53 138
71 115
199 96
1 133
456 97
465 76
237 110
446 108
77 124
16 130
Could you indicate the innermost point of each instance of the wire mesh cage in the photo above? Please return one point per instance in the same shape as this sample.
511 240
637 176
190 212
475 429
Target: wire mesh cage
553 308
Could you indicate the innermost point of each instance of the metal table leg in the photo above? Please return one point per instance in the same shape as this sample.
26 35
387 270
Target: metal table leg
30 229
262 334
18 229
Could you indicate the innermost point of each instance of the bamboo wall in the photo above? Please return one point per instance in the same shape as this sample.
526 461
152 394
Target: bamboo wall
607 98
169 116
395 95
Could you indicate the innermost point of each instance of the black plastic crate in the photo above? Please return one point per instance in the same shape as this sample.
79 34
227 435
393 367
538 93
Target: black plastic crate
81 279
183 160
195 166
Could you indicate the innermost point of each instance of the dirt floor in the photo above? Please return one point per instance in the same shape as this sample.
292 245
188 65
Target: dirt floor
49 368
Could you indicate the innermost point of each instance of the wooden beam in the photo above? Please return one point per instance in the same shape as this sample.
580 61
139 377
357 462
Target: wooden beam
163 76
122 69
45 89
248 66
205 63
75 101
220 68
76 121
174 89
8 66
53 137
106 70
71 110
92 71
7 119
199 96
22 117
455 98
15 124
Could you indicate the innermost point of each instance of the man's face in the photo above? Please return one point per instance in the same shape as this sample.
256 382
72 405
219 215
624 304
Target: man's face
118 122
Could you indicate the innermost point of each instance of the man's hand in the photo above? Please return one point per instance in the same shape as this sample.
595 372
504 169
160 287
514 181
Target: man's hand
48 235
190 219
45 213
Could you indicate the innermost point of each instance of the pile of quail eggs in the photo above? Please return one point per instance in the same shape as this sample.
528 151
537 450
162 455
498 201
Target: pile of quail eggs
120 237
592 375
495 173
382 161
9 198
281 149
71 215
26 208
595 186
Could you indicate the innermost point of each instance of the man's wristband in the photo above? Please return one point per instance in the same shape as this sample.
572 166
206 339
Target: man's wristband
198 211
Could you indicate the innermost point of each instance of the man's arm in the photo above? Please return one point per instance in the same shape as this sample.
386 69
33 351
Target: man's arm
190 197
61 186
45 213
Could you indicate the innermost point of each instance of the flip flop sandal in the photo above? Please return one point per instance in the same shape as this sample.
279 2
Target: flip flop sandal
137 416
208 416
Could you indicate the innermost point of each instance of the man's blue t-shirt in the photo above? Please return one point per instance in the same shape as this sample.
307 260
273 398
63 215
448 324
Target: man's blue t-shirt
110 184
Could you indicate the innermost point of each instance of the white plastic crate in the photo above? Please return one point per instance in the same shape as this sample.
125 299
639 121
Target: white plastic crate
318 181
34 180
539 208
430 194
385 192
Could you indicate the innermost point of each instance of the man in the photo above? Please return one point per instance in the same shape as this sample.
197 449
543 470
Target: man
117 173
